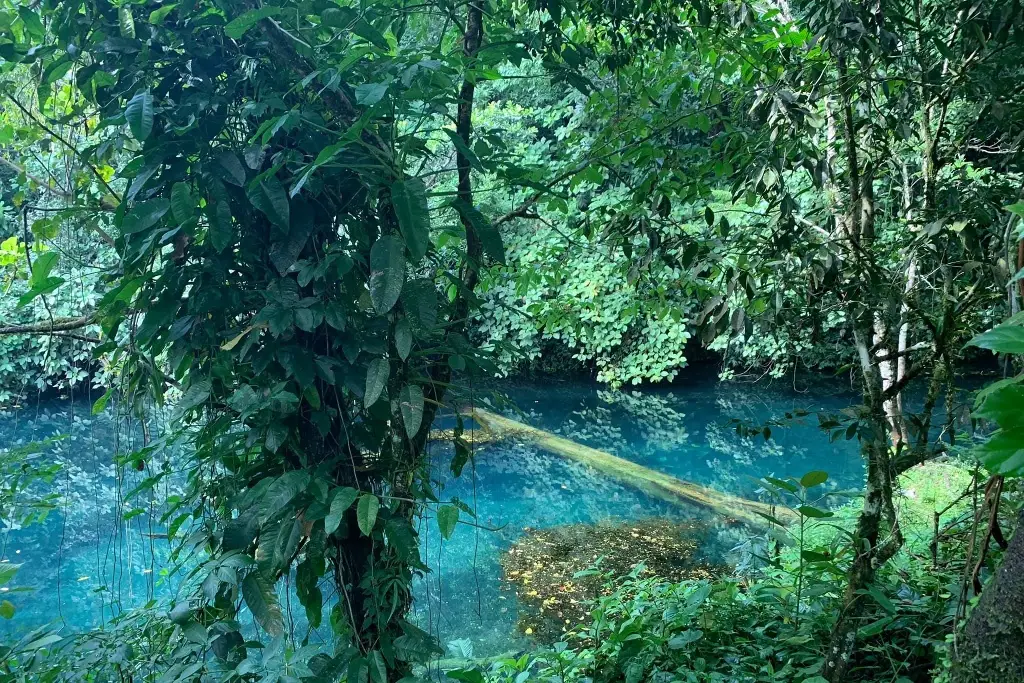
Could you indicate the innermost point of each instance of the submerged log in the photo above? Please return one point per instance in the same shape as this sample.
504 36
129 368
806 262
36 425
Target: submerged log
653 483
477 437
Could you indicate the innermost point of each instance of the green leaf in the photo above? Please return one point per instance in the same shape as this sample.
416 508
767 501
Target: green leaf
376 377
157 16
378 671
195 396
262 602
489 236
139 114
409 198
281 492
366 513
782 484
222 232
33 24
269 197
341 501
387 272
419 301
447 519
237 27
403 338
1001 339
125 21
366 31
182 204
101 403
7 609
144 215
7 572
1003 453
872 629
42 267
1017 209
369 94
812 479
813 512
684 638
410 400
881 599
234 172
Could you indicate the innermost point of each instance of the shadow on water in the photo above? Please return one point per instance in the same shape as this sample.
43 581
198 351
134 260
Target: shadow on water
106 554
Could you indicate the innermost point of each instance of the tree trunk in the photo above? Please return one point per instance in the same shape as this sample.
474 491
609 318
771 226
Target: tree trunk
991 649
873 548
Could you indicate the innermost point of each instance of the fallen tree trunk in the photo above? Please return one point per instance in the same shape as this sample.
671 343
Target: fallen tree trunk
653 483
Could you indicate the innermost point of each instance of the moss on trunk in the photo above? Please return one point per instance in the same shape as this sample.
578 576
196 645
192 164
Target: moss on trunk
991 648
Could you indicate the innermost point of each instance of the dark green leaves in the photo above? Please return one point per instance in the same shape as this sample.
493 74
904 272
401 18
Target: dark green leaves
376 377
139 115
341 501
366 512
269 197
182 204
409 198
221 230
144 215
411 403
237 27
369 94
489 236
387 272
403 338
262 602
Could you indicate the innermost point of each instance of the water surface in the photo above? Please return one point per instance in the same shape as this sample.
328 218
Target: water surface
96 555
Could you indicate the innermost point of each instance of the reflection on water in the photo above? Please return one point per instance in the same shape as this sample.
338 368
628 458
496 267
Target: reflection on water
97 554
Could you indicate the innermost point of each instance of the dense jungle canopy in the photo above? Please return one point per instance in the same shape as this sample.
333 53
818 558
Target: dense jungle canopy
291 244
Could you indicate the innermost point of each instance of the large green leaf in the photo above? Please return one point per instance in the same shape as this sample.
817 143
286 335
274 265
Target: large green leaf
410 400
1002 339
341 500
222 231
139 114
409 197
262 601
144 215
387 272
1003 452
376 377
270 198
378 670
282 491
420 302
237 27
366 512
812 479
182 204
403 338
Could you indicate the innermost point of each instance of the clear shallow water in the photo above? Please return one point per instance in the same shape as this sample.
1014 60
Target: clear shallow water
103 563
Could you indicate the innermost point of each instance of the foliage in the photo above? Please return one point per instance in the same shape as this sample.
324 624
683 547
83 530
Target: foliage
770 623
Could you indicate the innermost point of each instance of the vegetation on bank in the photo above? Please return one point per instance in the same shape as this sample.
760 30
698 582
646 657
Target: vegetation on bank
306 225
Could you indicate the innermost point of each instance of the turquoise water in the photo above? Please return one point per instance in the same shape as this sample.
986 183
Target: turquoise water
87 562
